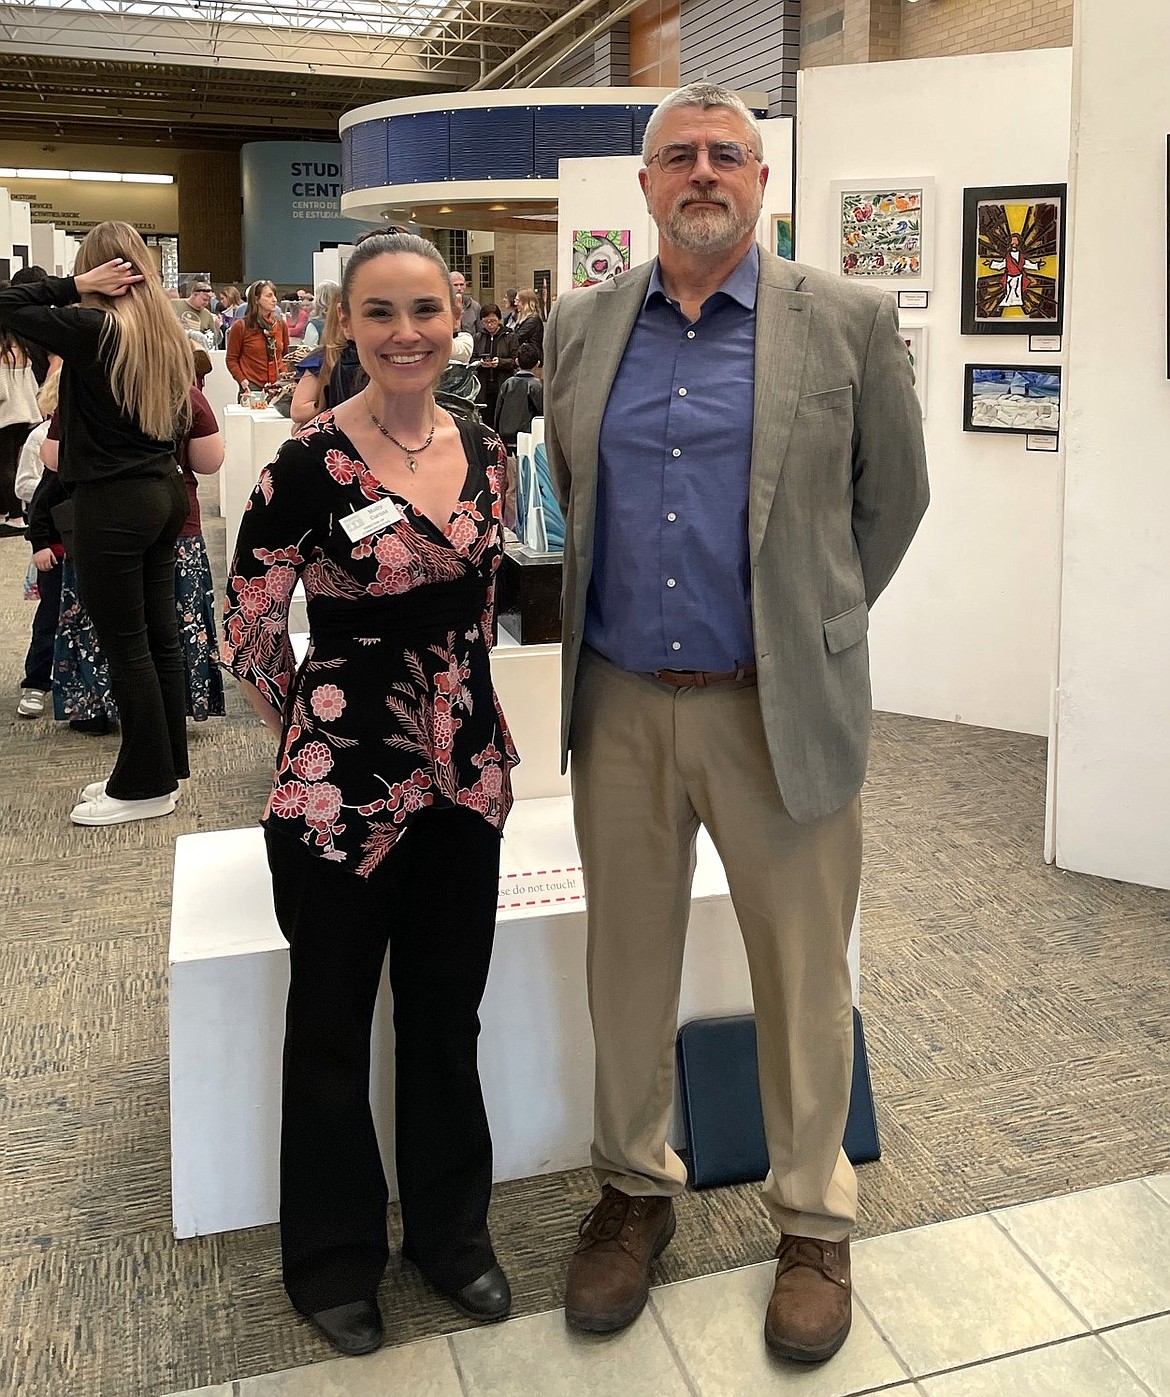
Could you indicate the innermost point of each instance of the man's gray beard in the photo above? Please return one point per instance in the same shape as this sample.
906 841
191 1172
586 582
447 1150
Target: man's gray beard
710 231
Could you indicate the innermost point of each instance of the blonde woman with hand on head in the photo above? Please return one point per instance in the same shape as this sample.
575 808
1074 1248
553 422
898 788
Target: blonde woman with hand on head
124 406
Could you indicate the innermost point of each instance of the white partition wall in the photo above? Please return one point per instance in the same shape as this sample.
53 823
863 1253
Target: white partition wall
1111 756
967 629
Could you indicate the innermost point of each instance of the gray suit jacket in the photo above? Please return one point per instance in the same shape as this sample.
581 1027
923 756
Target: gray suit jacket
838 486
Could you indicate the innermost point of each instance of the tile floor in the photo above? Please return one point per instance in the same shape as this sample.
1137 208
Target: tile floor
1069 1297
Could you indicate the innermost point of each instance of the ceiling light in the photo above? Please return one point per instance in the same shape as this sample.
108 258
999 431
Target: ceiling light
148 179
7 174
42 174
96 174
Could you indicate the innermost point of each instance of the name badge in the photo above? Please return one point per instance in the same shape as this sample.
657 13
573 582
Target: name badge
364 522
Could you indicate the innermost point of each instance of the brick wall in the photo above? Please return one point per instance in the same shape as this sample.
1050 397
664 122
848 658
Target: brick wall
519 255
870 31
934 28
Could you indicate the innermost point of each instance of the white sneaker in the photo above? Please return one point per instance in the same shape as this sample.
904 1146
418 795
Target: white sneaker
109 810
98 788
32 703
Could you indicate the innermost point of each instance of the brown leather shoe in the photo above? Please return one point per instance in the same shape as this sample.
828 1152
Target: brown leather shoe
609 1273
811 1306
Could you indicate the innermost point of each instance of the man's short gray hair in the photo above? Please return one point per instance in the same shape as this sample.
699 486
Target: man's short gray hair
704 95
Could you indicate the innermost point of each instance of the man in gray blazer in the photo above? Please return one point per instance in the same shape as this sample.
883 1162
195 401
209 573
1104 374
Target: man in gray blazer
739 447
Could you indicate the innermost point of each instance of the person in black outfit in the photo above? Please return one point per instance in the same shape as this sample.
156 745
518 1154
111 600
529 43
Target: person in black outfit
529 325
494 358
123 407
391 789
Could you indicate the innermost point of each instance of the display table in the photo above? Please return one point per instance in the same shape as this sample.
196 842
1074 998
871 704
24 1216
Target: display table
251 440
219 388
229 977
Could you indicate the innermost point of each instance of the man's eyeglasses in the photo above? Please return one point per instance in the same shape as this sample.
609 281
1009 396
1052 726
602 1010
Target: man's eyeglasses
721 155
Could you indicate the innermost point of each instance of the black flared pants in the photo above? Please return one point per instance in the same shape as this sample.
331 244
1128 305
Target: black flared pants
429 912
124 534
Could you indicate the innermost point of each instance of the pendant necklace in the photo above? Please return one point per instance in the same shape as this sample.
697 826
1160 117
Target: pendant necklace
410 452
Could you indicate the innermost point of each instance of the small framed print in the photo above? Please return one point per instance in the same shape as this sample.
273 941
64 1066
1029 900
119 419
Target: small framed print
1043 344
1016 399
783 237
882 231
1035 443
1013 260
914 338
913 300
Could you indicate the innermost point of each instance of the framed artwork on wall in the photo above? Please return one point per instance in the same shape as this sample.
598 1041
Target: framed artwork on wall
783 239
1013 260
882 231
1019 399
600 254
914 338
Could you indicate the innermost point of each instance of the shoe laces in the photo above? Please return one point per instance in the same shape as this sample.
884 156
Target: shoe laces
608 1218
811 1252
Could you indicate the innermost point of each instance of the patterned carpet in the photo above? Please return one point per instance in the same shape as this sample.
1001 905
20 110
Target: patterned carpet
1018 1023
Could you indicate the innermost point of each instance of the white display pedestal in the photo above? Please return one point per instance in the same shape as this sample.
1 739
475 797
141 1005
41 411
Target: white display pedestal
229 976
251 440
219 388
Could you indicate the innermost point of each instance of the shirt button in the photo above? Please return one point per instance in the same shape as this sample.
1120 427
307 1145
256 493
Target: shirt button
676 452
670 582
682 392
672 517
690 334
676 645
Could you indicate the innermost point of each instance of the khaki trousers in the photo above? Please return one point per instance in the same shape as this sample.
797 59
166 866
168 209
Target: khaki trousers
650 762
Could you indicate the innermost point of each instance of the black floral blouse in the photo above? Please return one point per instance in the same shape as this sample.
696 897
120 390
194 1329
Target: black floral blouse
393 708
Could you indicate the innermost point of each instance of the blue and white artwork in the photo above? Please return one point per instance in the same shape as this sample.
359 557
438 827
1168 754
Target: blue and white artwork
540 524
1012 398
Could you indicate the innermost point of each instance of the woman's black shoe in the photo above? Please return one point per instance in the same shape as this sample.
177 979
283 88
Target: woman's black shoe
487 1297
352 1329
97 727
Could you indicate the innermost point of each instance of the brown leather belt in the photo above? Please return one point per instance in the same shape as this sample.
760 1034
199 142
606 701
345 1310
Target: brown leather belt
700 678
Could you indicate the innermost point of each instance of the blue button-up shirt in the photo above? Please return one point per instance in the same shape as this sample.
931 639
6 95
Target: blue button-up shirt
671 582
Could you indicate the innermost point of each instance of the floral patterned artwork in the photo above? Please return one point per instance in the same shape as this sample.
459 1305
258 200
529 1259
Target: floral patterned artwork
881 231
392 710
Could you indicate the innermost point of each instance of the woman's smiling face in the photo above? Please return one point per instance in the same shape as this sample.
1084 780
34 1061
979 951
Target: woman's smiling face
399 316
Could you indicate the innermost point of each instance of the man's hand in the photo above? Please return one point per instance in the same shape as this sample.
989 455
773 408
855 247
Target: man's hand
44 560
113 278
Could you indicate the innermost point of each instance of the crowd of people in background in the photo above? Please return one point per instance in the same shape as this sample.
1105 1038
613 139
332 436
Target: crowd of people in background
494 378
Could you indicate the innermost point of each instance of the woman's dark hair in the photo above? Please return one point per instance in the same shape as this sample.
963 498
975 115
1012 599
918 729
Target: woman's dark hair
485 311
11 344
378 245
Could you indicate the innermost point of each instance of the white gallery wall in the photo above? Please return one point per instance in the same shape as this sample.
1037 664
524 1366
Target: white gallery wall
1111 757
967 629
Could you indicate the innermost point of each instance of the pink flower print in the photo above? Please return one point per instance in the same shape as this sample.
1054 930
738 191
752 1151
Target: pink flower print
290 800
461 532
280 582
474 800
394 580
414 798
328 702
492 780
340 467
392 552
253 599
313 761
322 806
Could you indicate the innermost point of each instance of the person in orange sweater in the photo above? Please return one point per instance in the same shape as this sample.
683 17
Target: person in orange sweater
258 341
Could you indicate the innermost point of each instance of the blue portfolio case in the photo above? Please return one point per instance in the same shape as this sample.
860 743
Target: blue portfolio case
720 1091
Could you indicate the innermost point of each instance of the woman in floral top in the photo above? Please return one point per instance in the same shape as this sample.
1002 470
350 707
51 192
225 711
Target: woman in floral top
391 790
